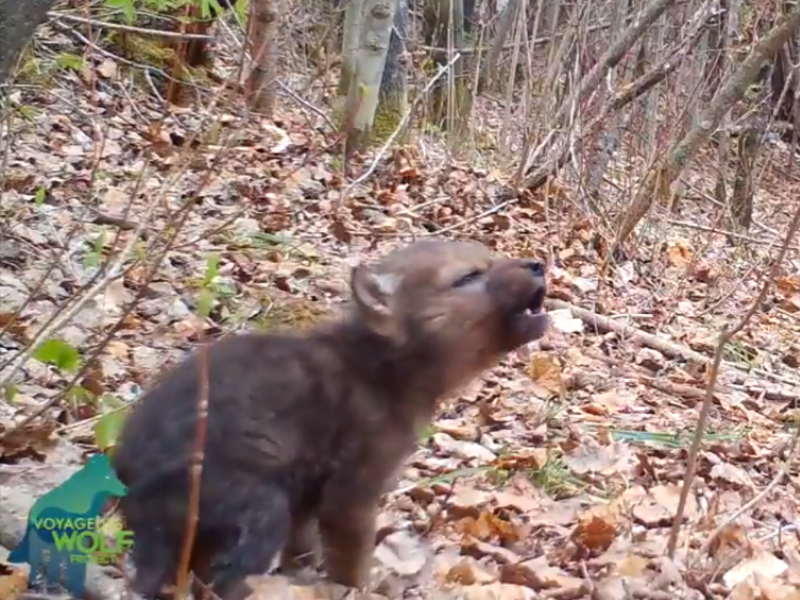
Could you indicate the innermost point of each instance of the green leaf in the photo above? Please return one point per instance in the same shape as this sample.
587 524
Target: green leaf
241 9
10 392
206 7
80 395
99 242
227 291
91 260
205 302
107 429
212 269
126 6
67 60
40 196
59 353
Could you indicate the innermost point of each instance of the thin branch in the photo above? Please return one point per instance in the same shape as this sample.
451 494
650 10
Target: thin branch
122 27
195 473
725 337
787 463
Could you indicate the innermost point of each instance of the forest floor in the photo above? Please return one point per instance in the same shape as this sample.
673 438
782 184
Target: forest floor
555 476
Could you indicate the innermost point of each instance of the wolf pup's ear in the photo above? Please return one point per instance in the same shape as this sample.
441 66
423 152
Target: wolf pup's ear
372 292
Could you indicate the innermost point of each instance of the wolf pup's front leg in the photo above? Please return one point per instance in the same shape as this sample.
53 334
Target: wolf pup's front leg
348 540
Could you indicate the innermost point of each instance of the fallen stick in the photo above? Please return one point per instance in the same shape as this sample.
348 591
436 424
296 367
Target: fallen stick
602 323
666 347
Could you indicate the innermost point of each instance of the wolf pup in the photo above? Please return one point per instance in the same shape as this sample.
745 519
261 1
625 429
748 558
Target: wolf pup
305 432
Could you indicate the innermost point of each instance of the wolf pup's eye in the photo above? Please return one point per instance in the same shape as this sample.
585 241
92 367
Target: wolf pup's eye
467 279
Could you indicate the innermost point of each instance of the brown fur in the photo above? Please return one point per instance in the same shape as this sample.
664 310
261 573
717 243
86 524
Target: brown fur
305 432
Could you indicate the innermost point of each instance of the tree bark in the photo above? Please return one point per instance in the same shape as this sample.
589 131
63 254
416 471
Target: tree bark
489 70
658 181
350 36
393 95
18 21
262 29
362 97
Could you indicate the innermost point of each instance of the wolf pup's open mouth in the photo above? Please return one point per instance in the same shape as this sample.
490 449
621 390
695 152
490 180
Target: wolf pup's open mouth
532 322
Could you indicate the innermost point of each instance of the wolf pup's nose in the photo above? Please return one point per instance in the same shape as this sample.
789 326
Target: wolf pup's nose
535 267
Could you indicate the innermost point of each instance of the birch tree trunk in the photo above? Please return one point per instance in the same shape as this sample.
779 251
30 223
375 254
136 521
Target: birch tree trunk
18 20
350 36
393 95
362 95
262 30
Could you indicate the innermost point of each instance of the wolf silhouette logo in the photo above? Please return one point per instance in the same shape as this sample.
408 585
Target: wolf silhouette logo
59 519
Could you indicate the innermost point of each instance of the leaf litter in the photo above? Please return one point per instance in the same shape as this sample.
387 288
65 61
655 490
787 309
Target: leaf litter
558 475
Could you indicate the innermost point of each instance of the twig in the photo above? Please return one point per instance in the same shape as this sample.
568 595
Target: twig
482 215
725 337
667 347
61 320
376 161
707 229
306 104
195 472
758 497
131 28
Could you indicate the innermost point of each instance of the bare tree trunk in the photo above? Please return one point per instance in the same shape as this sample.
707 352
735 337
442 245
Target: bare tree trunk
350 36
18 21
660 179
362 97
262 29
716 70
489 71
393 95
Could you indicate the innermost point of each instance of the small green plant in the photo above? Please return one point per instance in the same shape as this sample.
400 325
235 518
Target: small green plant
62 355
675 440
10 393
94 258
555 479
109 425
209 287
66 359
426 434
69 61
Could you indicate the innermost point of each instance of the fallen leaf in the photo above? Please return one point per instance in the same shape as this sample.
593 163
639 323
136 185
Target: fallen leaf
563 321
13 583
764 564
546 372
668 496
403 552
496 591
595 531
591 457
679 254
107 69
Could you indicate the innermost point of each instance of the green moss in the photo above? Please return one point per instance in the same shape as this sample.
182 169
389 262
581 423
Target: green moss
31 70
387 118
290 314
142 48
337 110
